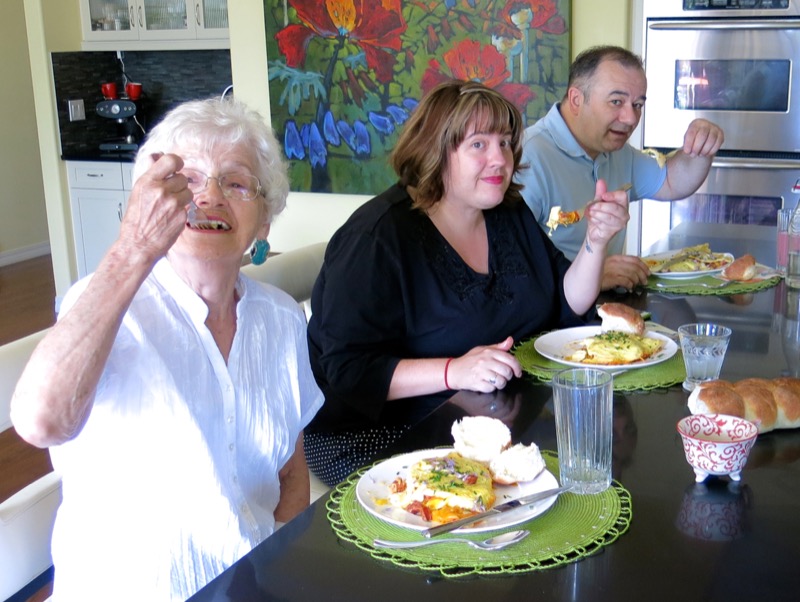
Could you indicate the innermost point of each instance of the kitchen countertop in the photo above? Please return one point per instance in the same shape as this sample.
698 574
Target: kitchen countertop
86 153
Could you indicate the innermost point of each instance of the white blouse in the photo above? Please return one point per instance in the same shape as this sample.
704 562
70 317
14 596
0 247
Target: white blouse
175 474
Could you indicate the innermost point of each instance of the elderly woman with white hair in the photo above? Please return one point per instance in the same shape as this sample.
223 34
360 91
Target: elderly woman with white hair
173 391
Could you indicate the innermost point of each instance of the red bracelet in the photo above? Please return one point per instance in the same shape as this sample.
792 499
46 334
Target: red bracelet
446 366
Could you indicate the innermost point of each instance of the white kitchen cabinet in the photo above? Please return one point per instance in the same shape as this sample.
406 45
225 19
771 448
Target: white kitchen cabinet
154 24
98 193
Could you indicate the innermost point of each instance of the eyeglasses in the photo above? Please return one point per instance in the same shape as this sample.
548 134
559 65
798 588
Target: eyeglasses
239 186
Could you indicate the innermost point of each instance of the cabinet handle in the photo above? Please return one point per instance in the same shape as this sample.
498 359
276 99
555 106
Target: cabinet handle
141 18
94 175
119 211
197 14
132 15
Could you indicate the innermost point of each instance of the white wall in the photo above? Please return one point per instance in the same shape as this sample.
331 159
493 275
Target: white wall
52 26
23 229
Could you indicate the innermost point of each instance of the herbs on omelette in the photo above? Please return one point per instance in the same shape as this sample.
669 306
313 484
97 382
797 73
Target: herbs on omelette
614 348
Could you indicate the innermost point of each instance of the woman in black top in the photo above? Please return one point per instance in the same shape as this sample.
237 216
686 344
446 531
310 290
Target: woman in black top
427 286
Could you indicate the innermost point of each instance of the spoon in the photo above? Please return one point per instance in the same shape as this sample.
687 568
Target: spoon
493 543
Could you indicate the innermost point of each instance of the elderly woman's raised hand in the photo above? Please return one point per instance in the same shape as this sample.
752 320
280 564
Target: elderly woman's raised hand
606 215
156 213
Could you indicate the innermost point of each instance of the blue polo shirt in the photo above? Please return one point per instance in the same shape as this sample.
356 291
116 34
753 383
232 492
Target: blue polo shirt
559 172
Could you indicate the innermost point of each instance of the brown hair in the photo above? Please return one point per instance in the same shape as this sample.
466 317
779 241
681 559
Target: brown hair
586 63
441 122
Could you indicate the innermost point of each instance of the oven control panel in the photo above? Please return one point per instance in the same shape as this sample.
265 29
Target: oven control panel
735 4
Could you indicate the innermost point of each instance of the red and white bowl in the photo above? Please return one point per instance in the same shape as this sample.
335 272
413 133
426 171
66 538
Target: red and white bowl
717 444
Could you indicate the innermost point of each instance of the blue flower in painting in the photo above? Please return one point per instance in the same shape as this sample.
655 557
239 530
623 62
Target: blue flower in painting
399 114
363 145
329 129
304 135
317 151
347 133
292 142
410 103
383 124
356 136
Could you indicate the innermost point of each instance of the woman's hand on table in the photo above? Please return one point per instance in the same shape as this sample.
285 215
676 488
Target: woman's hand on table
485 368
625 271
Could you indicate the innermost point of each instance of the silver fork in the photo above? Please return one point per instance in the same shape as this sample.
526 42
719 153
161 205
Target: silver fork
199 223
700 284
612 371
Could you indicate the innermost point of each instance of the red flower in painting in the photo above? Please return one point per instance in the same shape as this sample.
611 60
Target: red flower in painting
374 27
530 14
470 60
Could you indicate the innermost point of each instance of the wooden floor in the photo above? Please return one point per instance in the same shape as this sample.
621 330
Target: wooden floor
27 304
27 298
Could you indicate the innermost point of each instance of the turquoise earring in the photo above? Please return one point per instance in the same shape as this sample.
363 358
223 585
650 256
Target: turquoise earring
259 251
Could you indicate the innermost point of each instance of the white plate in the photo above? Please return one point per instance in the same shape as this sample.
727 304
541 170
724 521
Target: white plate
762 273
373 493
560 344
679 275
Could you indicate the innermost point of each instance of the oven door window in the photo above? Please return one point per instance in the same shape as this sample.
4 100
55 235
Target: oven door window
733 85
726 209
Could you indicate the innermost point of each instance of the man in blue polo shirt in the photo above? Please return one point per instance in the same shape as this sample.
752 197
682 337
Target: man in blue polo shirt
580 149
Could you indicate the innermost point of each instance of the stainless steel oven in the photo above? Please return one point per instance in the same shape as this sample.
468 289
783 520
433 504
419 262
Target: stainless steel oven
734 67
744 191
731 62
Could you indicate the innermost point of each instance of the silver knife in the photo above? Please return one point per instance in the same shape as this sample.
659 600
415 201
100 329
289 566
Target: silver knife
500 508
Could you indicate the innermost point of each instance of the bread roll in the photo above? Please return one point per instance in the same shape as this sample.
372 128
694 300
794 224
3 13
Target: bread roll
769 403
743 268
518 463
620 317
480 438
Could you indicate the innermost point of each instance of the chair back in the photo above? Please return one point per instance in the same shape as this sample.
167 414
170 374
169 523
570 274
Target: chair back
13 357
293 271
27 517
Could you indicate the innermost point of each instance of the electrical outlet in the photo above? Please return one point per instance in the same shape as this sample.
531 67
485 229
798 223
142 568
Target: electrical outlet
77 112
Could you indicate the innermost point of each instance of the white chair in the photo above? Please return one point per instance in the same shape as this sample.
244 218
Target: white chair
295 272
26 518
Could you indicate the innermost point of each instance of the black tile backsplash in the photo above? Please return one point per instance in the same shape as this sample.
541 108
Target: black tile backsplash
168 78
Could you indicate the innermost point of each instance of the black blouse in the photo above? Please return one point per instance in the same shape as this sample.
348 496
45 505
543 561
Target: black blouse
391 287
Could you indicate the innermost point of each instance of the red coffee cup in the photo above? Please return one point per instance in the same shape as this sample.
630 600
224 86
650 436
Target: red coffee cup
133 90
109 90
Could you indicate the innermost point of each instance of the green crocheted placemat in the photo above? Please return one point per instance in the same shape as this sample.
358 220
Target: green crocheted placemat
705 286
574 527
664 374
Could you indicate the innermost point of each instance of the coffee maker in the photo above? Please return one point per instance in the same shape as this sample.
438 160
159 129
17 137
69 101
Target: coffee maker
129 131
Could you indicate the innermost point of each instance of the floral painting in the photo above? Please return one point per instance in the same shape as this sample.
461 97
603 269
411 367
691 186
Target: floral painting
344 75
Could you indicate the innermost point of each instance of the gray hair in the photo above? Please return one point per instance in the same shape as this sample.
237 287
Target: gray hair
217 123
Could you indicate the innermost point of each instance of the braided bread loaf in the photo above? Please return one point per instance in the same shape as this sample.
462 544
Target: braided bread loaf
769 403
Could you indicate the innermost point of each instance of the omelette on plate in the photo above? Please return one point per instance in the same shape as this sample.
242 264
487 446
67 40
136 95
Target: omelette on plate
444 489
614 348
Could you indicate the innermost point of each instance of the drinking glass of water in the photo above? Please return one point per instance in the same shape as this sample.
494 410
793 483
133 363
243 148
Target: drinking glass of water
703 347
583 399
